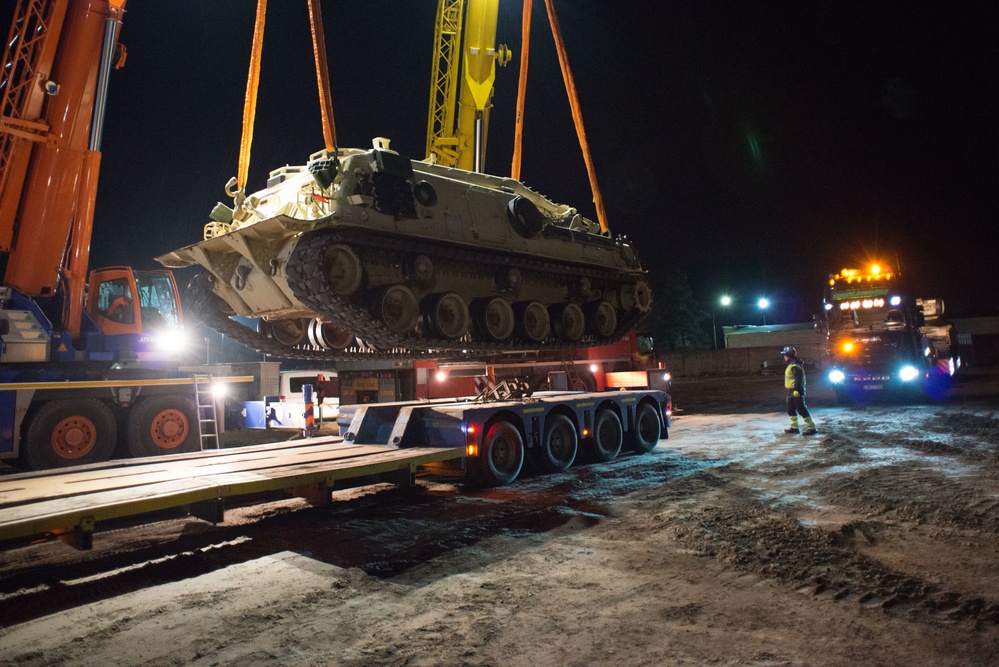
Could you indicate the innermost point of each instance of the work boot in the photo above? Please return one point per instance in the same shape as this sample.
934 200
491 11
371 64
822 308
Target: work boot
793 429
810 431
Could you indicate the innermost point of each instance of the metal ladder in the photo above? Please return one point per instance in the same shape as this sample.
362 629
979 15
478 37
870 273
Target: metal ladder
573 381
208 423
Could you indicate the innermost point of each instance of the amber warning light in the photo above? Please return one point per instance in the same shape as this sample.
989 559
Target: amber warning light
471 440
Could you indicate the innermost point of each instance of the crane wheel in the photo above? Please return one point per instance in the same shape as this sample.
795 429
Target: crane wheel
166 424
69 432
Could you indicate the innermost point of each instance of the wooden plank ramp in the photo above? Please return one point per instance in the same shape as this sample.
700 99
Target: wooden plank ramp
67 504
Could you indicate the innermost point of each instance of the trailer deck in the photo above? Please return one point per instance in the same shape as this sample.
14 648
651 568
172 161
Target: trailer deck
67 504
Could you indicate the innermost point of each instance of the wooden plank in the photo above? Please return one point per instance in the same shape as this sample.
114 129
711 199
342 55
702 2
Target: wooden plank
68 484
117 464
65 513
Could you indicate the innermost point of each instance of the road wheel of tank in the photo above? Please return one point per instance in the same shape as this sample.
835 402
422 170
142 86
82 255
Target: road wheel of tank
69 432
525 217
448 314
501 456
602 319
398 308
329 336
509 278
166 424
421 269
558 446
533 320
645 436
608 436
568 321
288 332
494 318
343 268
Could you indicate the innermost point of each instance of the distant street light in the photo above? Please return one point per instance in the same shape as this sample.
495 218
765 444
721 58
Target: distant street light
725 301
764 303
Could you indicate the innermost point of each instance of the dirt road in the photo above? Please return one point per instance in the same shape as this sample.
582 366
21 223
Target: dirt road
875 543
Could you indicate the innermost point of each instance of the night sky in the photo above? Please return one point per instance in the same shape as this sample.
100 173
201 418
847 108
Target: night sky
758 147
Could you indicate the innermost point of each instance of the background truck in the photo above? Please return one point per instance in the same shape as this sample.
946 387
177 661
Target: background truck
882 339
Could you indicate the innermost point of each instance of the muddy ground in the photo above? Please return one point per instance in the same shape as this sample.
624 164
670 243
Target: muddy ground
874 543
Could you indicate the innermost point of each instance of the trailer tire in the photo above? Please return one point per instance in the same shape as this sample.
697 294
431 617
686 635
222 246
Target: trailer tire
70 432
645 435
558 446
165 424
608 436
501 456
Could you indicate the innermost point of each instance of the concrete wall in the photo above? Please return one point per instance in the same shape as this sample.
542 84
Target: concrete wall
737 361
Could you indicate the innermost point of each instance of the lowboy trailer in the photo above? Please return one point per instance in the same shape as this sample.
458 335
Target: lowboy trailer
488 442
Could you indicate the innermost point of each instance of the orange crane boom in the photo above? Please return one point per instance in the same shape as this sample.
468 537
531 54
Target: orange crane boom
49 180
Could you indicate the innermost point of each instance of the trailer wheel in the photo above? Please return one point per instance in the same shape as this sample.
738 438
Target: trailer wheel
645 436
166 424
608 435
559 445
68 433
501 456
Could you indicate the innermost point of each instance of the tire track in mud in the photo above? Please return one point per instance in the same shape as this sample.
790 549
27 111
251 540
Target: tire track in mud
941 501
739 530
955 475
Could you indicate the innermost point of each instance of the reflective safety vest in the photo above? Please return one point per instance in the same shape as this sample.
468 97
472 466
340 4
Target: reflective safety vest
789 380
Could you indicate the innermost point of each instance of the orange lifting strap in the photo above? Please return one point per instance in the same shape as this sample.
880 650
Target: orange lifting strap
253 81
577 115
518 128
322 75
250 103
570 88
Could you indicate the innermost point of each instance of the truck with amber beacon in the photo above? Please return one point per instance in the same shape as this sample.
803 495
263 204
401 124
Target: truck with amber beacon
883 341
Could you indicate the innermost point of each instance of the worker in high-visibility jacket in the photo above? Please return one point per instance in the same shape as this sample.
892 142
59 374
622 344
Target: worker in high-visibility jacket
794 382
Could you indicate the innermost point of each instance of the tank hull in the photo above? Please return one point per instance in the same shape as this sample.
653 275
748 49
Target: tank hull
369 251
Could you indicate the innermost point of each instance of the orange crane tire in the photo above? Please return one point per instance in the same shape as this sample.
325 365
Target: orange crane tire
164 424
69 432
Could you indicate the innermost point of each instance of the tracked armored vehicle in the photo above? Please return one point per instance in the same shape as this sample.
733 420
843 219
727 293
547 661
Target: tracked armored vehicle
366 252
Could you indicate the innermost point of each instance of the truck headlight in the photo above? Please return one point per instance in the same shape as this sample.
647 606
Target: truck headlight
837 376
908 373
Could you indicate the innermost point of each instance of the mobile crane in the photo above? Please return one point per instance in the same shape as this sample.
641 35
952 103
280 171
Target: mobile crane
79 362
